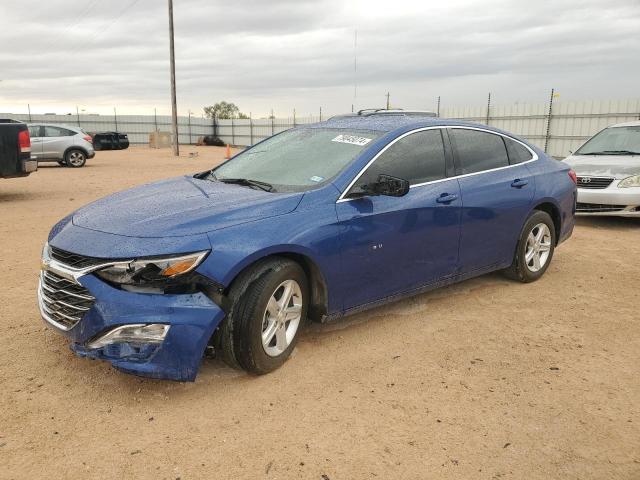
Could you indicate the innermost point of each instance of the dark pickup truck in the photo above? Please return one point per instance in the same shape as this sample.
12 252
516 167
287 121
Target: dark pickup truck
15 150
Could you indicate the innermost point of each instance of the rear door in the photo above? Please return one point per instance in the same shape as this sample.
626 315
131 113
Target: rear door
395 244
55 141
35 132
496 197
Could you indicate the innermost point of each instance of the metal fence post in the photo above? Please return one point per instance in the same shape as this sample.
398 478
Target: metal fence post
320 113
250 129
548 134
233 134
29 110
190 139
78 116
488 108
155 118
438 110
294 118
272 131
115 116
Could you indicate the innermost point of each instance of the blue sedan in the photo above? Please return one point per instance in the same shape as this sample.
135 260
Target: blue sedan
315 223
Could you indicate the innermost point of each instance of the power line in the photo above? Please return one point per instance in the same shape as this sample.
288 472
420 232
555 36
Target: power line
101 31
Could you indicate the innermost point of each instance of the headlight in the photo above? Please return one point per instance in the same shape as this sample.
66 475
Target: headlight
630 182
153 333
152 272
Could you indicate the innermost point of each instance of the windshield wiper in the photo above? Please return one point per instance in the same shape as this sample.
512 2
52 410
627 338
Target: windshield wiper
613 152
267 187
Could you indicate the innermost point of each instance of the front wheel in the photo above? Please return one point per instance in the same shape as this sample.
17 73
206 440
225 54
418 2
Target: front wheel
75 158
535 248
268 310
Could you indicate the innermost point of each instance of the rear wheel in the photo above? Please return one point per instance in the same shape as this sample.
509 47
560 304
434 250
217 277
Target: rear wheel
535 248
75 158
268 310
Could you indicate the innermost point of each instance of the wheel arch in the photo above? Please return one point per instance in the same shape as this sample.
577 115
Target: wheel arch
553 210
319 301
74 147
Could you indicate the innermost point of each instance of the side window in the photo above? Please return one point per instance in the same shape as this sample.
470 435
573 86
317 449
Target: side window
518 153
50 131
418 157
478 151
34 131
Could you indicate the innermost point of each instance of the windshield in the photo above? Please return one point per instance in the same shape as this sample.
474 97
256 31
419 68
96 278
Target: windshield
298 159
613 141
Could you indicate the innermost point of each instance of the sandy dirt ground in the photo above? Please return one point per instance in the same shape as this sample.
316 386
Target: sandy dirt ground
487 379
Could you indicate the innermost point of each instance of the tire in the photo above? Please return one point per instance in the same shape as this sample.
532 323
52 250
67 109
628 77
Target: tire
255 336
62 163
75 158
535 248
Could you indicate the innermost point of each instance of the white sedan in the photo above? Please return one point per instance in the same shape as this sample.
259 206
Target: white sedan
608 170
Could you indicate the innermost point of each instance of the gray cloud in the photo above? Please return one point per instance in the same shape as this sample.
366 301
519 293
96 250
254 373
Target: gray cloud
286 54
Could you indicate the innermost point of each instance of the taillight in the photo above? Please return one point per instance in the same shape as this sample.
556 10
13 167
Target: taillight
88 138
24 141
573 176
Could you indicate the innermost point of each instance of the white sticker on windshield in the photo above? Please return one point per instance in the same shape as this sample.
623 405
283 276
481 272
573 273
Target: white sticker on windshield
352 139
316 179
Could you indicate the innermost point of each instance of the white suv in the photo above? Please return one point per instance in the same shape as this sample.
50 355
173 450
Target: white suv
69 146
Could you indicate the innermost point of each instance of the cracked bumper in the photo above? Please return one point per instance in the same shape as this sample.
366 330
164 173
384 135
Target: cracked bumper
192 319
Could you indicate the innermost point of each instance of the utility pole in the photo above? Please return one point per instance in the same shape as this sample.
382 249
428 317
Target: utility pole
174 107
387 100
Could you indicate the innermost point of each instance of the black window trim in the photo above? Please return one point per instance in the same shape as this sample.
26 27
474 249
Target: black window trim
448 152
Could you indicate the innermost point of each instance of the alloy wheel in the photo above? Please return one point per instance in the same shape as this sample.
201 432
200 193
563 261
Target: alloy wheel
538 247
281 318
76 158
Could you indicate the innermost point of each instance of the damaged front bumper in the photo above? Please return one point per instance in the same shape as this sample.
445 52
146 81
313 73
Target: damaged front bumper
192 319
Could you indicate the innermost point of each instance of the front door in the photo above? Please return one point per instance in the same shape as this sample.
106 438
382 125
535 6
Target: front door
392 245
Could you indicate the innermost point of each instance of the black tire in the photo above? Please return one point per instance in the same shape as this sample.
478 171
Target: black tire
62 163
238 341
521 269
75 158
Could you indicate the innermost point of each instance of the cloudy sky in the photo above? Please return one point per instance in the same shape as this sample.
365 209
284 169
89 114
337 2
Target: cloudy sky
286 54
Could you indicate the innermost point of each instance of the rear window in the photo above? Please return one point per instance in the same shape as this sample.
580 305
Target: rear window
518 153
50 131
478 151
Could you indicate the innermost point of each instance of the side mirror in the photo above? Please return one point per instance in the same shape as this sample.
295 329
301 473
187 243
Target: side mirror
388 186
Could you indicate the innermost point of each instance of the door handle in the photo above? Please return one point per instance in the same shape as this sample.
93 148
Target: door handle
517 183
446 198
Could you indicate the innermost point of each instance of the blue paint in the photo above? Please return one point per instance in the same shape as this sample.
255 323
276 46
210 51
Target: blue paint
367 251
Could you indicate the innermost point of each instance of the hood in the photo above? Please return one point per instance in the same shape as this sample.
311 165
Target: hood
182 206
615 166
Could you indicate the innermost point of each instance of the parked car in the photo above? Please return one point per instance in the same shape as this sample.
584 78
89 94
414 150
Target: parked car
318 222
608 170
15 150
67 145
110 141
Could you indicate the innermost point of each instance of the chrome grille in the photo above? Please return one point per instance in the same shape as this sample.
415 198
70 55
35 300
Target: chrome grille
594 182
73 260
64 301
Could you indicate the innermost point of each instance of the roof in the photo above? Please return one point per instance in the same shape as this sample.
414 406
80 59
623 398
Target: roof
387 122
627 124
